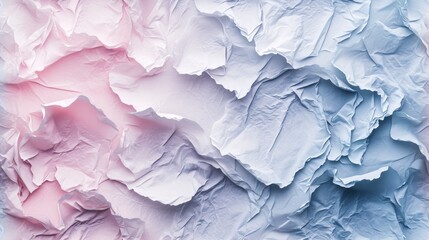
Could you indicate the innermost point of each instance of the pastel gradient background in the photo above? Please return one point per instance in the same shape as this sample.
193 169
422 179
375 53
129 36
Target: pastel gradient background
212 119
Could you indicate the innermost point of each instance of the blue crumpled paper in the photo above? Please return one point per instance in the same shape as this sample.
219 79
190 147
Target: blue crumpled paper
273 119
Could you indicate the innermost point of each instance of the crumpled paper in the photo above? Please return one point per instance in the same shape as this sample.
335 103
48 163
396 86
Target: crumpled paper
212 119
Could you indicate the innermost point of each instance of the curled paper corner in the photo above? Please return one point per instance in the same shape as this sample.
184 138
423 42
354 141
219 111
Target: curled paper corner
348 182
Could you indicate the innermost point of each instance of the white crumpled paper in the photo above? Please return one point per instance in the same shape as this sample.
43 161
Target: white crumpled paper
212 119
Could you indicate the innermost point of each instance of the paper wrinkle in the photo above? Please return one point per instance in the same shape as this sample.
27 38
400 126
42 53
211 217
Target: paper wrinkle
213 119
162 160
66 141
258 138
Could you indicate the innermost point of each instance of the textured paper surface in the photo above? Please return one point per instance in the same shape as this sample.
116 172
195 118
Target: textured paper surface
212 119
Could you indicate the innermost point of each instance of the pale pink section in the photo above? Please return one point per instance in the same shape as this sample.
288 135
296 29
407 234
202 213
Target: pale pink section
42 204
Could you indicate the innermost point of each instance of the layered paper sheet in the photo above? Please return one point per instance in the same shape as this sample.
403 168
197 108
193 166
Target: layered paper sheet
214 120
